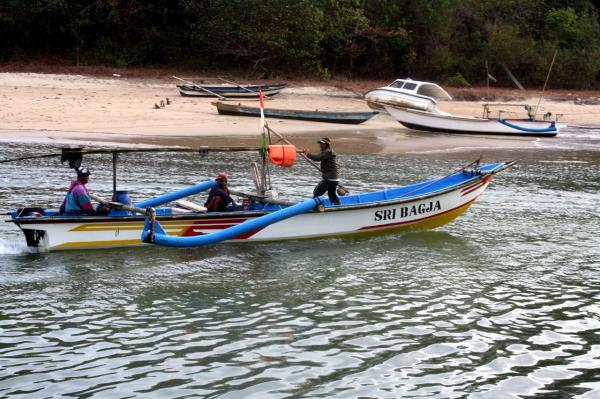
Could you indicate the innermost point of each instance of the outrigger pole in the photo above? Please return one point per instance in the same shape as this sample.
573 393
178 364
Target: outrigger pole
201 88
70 153
85 150
236 84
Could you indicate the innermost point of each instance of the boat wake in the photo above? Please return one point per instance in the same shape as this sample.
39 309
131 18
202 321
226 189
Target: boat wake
9 247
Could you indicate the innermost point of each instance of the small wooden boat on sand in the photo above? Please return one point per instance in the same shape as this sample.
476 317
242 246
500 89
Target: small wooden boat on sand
352 118
230 91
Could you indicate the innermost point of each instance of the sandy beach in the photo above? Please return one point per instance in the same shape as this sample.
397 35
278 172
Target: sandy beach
56 108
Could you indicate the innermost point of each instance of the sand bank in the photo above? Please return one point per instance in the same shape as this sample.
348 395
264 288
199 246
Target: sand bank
86 109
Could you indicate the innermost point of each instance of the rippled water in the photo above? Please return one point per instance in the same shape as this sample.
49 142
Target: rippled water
502 303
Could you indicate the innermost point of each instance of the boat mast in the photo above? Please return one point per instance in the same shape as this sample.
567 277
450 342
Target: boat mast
545 83
115 156
265 175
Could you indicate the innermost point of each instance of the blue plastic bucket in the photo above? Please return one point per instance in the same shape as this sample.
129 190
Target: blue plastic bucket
122 197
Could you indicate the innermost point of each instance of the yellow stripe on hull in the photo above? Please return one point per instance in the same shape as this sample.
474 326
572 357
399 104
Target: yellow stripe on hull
425 224
97 244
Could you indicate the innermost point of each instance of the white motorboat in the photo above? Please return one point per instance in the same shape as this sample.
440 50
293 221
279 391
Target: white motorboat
407 93
439 121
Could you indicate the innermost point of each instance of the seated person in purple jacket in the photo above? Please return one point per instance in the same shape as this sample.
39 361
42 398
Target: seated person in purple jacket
218 197
77 201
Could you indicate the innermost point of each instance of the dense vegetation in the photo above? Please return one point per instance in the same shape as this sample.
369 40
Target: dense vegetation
448 41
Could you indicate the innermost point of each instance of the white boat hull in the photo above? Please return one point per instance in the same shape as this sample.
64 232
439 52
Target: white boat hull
379 98
441 122
428 211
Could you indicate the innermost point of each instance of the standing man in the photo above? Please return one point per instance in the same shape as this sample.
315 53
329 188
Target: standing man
77 202
329 169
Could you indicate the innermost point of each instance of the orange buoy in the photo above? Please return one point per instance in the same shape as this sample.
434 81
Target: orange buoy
282 155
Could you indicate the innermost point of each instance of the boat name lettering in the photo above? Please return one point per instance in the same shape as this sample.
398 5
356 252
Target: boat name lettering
405 211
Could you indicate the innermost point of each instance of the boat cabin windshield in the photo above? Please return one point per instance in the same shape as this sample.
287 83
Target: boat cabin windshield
404 85
397 84
423 88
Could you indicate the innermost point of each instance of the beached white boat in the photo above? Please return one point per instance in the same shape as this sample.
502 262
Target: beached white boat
407 93
439 121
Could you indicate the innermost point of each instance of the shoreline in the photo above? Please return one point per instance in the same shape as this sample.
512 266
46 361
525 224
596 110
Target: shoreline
88 110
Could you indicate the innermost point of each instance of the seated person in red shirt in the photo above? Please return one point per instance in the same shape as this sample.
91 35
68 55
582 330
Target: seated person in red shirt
218 197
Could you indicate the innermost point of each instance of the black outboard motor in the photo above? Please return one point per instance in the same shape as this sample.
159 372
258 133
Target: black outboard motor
33 237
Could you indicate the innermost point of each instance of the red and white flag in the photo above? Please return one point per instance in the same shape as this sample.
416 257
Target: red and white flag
262 107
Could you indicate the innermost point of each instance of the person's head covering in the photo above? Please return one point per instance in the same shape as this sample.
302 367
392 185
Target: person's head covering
221 177
325 140
82 171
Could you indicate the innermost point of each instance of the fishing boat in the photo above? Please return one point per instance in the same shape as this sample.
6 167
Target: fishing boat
353 118
440 121
169 220
407 93
230 91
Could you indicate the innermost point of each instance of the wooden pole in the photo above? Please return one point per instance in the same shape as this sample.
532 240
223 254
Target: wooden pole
115 155
310 161
84 150
262 198
545 83
487 79
236 84
514 79
200 87
117 205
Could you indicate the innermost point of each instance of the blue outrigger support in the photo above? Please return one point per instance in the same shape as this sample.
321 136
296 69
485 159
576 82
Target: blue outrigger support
155 234
551 128
186 192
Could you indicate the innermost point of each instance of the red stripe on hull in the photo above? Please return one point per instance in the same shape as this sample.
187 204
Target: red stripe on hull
218 220
189 232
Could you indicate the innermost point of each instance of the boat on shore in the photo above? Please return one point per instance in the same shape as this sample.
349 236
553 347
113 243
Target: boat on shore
353 118
168 220
230 91
407 93
439 121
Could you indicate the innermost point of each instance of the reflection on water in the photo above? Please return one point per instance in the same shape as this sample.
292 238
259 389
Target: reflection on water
501 303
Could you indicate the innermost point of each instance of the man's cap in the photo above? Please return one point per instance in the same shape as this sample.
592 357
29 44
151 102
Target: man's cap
324 140
222 177
82 171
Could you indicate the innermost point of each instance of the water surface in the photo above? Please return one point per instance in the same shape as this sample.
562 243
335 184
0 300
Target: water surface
501 303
